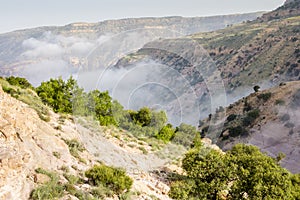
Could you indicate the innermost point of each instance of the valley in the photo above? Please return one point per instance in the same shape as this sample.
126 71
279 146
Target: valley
153 108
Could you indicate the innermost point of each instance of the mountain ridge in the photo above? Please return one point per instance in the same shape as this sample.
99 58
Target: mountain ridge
252 15
13 44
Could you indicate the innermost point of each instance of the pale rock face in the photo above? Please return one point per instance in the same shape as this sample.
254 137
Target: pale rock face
41 178
26 143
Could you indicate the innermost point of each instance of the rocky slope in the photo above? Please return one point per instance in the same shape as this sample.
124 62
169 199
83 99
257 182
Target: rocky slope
28 143
268 119
289 9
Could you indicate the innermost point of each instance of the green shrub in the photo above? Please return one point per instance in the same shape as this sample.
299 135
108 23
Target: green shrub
247 106
113 178
142 117
207 173
56 154
237 131
142 123
75 147
143 150
71 178
78 193
166 133
185 134
251 117
279 102
100 103
101 192
256 88
50 190
20 82
14 93
231 117
242 171
265 96
182 189
260 176
58 94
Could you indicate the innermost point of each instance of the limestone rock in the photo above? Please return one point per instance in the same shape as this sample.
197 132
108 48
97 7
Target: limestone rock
41 178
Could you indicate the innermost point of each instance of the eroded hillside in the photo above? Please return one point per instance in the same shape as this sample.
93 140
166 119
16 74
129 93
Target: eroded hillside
268 119
35 152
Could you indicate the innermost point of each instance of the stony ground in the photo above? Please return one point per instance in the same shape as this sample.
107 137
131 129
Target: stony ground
27 142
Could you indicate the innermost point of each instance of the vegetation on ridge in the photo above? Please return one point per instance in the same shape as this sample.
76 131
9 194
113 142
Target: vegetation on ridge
22 90
68 97
242 173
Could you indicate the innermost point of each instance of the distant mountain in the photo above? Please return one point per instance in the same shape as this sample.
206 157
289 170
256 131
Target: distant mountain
23 50
262 52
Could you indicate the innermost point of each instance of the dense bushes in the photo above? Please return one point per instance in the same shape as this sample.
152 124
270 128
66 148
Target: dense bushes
237 131
243 172
231 117
265 96
260 176
57 94
250 117
113 178
100 104
166 133
67 97
185 134
142 117
18 81
142 123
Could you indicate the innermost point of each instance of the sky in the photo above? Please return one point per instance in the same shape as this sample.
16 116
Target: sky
20 14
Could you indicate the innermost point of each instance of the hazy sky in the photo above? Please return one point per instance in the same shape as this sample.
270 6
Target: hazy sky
20 14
